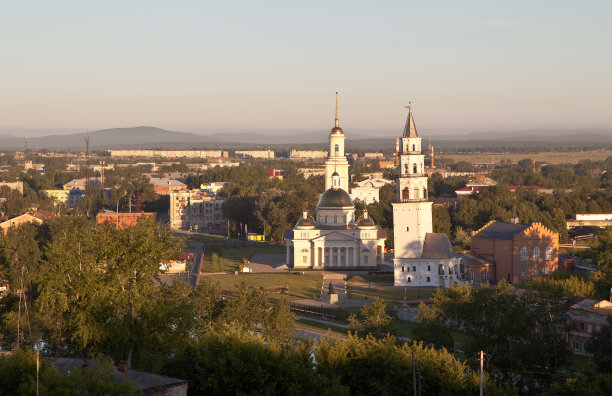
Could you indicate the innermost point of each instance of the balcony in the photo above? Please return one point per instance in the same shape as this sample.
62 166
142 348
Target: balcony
403 200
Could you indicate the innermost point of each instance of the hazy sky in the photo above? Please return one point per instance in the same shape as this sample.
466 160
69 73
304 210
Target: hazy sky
206 66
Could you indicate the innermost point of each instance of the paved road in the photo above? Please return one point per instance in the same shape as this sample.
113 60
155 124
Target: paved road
194 275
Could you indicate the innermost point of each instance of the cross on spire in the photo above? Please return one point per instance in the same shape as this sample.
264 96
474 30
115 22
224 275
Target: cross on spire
410 129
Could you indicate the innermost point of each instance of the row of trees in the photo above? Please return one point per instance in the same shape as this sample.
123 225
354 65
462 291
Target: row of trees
522 334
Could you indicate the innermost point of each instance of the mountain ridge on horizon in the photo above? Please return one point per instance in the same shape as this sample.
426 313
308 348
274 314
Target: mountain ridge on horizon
150 136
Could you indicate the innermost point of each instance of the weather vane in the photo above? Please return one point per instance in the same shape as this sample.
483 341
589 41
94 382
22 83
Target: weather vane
409 107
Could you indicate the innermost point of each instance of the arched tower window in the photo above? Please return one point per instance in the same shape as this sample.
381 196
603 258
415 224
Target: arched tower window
416 193
413 147
425 193
406 193
414 168
405 168
337 148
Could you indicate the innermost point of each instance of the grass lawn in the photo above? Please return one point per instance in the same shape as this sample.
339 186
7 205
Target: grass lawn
230 257
572 157
374 278
204 236
300 286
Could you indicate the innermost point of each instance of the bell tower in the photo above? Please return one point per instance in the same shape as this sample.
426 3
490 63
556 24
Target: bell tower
412 217
336 162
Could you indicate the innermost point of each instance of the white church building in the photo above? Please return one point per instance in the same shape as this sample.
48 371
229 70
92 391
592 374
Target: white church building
334 239
422 257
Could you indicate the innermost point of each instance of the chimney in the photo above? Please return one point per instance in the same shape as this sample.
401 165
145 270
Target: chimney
514 220
433 166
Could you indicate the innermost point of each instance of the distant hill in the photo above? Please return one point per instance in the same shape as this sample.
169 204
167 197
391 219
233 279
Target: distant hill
148 137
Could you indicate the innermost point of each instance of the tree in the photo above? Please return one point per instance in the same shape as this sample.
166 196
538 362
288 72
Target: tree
520 333
376 321
600 345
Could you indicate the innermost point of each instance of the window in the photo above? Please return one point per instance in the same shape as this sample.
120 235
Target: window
485 275
589 328
409 279
337 148
416 193
405 168
413 147
428 268
365 259
581 326
424 193
413 268
523 272
402 268
536 253
536 272
335 219
325 219
472 275
406 193
304 259
407 228
578 346
523 254
428 279
414 168
548 253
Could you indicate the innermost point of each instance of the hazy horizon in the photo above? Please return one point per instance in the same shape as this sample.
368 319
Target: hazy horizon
272 68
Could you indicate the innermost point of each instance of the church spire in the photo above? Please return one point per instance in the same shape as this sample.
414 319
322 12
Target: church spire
410 129
336 130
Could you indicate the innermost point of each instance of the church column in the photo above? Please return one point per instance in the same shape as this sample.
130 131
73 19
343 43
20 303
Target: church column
346 264
288 255
337 261
355 256
316 256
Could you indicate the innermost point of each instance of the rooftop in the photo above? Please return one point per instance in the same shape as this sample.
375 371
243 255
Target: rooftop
437 246
501 230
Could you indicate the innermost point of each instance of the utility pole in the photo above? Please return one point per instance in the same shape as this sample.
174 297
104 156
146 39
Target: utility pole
420 368
414 384
481 372
37 364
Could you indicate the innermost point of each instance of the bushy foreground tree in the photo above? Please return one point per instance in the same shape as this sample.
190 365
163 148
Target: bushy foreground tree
522 333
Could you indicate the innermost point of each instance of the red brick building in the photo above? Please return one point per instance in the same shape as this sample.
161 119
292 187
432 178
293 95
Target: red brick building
512 251
121 220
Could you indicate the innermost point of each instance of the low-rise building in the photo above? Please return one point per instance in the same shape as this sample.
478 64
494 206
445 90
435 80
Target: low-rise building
166 185
122 220
255 153
212 188
58 195
308 154
17 185
595 219
145 383
516 252
79 184
386 164
26 218
307 172
373 155
586 318
169 153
